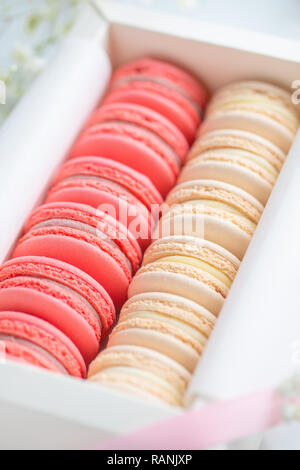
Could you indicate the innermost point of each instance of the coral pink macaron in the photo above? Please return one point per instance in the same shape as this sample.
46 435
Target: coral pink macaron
163 87
60 294
148 119
29 340
126 194
137 137
86 238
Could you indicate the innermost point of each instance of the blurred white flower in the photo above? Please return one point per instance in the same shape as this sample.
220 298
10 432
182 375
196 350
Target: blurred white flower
35 65
22 52
43 24
26 58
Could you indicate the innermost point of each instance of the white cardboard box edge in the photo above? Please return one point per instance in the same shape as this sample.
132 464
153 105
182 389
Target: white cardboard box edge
10 368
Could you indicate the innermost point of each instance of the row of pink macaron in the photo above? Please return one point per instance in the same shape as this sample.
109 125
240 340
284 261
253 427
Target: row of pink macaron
211 216
70 271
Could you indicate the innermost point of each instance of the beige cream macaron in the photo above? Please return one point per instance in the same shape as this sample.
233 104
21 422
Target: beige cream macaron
167 323
258 107
189 267
215 211
236 157
140 372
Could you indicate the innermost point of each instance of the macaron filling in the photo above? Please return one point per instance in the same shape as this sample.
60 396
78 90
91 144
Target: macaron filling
38 349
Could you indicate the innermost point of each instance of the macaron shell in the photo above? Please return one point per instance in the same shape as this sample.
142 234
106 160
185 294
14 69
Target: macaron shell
154 320
209 206
145 118
158 69
196 248
87 239
257 86
103 197
68 276
22 355
188 214
230 173
252 122
142 385
135 133
142 369
94 225
168 302
45 336
161 100
139 393
257 97
217 191
46 307
212 228
135 354
238 140
71 247
134 153
160 342
170 324
157 277
135 182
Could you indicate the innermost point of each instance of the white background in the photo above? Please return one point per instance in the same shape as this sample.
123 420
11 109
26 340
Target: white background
279 17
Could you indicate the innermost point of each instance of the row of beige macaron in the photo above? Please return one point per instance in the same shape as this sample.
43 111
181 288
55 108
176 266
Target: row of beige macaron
187 272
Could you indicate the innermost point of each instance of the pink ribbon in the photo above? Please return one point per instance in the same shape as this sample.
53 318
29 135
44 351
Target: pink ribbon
213 424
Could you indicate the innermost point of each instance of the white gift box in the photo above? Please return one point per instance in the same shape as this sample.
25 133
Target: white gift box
257 337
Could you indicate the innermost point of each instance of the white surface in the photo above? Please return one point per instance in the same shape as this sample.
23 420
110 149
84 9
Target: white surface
40 410
229 365
200 30
278 17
